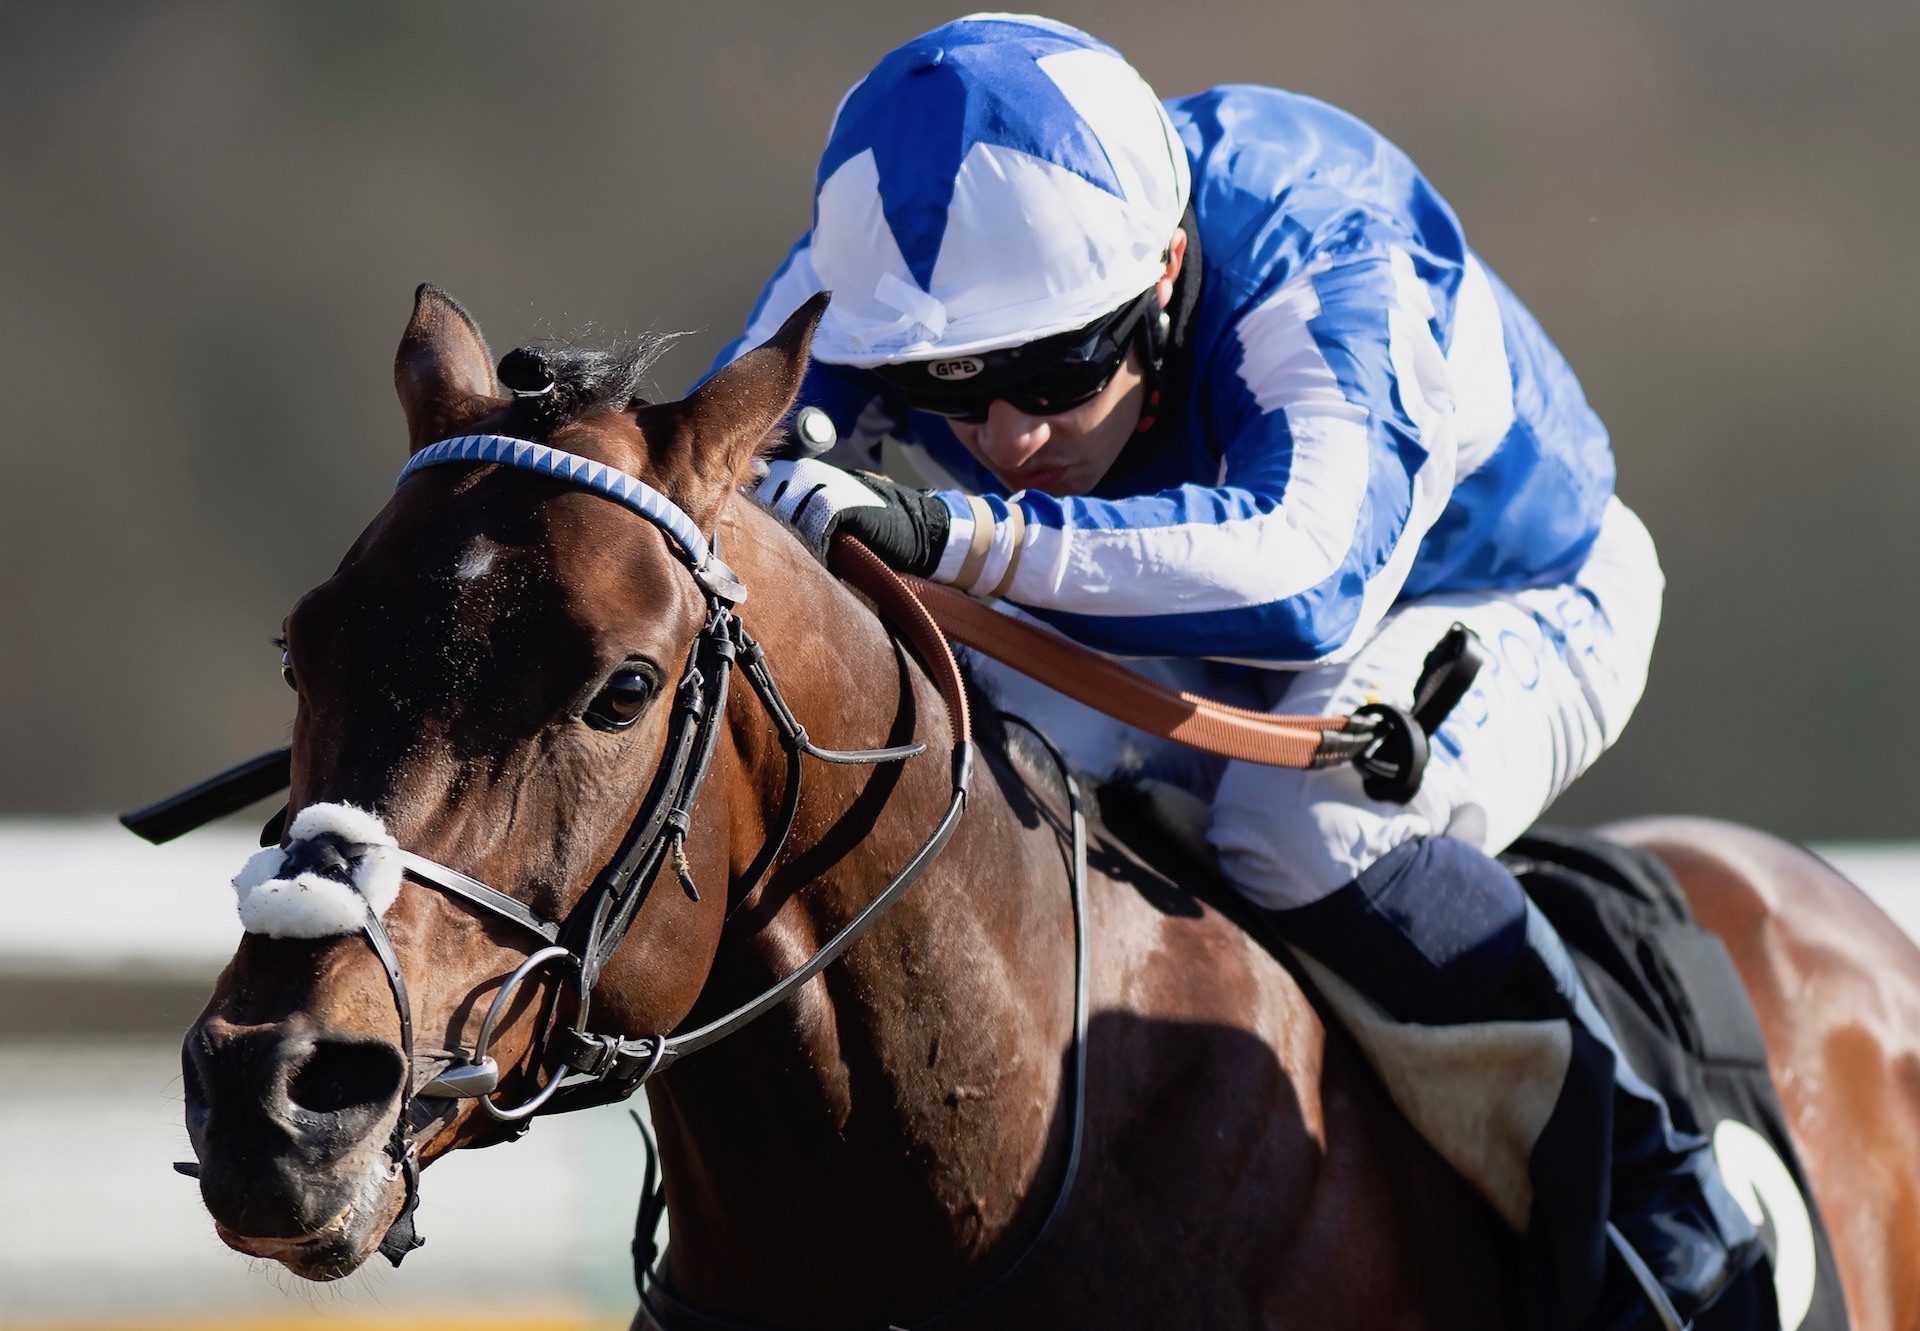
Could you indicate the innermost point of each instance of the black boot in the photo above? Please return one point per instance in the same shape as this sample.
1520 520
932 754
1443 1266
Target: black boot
1438 933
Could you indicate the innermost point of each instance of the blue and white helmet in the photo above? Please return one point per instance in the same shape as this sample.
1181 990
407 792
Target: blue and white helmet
997 180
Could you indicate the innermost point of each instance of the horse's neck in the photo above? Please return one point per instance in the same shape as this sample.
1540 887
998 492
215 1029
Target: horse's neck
874 1139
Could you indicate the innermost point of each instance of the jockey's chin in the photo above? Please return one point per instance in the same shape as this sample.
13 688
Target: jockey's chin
1062 454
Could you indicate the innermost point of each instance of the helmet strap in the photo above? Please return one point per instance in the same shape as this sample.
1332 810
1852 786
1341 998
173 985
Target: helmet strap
1155 333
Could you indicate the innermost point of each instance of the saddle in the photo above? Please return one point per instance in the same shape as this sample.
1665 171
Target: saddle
1479 1093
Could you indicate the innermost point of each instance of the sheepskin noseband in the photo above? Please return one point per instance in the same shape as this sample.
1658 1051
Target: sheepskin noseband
339 863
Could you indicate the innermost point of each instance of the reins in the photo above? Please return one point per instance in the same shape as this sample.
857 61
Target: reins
1098 682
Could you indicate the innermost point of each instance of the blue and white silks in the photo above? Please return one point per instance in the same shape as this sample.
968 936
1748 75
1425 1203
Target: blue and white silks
1373 417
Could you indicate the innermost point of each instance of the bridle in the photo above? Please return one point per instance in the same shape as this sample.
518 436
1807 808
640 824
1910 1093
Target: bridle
587 1068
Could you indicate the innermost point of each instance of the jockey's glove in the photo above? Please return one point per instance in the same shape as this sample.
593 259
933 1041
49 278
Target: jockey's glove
906 527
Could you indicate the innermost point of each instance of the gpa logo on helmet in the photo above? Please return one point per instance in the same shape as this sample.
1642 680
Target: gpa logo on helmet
963 368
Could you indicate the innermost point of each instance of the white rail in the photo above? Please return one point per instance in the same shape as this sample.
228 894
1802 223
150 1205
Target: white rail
85 897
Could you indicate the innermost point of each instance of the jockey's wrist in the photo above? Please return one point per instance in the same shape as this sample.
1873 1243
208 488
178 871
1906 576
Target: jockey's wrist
985 536
960 529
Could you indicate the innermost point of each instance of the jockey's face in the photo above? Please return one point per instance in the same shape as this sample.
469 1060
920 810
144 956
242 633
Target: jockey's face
1067 453
1064 453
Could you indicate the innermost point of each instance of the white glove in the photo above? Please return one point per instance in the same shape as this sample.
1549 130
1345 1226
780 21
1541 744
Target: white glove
809 494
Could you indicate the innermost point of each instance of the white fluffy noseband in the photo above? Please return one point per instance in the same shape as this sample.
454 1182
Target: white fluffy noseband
310 905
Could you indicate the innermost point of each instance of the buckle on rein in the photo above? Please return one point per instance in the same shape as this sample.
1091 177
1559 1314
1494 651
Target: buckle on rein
1395 759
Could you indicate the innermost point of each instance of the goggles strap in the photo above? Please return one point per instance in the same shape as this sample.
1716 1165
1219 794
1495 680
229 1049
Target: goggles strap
1156 334
1149 410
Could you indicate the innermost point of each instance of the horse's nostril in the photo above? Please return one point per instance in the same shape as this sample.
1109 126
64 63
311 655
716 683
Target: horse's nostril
340 1075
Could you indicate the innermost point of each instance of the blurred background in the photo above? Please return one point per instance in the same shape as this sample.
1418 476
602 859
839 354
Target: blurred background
212 220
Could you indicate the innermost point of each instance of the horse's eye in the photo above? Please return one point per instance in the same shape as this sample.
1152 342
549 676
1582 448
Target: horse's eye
286 667
621 702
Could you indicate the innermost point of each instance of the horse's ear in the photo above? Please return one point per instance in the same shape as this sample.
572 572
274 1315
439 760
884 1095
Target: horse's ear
443 370
734 412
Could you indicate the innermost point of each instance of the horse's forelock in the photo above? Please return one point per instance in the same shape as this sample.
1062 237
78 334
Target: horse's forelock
589 380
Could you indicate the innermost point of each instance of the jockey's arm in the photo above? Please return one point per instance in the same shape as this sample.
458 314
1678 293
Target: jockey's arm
1334 401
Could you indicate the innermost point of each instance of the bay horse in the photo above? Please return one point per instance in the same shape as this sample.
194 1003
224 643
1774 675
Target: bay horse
489 673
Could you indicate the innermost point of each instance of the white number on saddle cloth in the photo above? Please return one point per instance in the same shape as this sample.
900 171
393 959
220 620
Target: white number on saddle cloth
1760 1181
309 905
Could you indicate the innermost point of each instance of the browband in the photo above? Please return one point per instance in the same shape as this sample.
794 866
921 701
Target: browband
608 482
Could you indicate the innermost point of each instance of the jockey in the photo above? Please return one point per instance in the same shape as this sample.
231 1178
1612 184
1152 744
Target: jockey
1217 384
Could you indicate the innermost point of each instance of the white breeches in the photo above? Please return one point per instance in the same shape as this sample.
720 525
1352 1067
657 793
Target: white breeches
1566 666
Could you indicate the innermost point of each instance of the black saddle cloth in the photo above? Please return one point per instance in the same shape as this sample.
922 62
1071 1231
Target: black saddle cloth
1671 992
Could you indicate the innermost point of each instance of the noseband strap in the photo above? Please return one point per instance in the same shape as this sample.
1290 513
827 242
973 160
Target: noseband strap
452 880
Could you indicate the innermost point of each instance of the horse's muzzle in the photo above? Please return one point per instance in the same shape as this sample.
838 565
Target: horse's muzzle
290 1125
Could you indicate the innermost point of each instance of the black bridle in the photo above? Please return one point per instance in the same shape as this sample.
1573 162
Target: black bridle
587 1069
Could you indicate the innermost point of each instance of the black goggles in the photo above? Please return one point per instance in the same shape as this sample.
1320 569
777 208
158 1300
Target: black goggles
1040 378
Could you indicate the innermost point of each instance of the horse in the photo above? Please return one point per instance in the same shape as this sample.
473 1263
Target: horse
491 672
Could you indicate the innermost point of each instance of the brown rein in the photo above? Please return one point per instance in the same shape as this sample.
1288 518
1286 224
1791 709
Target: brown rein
902 602
927 610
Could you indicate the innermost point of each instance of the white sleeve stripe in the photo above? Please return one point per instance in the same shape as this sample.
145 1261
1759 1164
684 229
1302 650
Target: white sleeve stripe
1185 569
1482 376
1426 391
